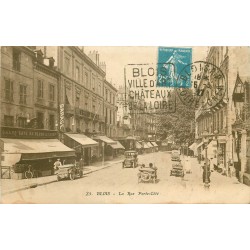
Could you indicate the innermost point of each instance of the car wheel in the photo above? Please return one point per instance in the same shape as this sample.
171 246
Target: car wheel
72 176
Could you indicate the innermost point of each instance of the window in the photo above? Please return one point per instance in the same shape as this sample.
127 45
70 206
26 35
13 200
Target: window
86 79
8 120
110 97
52 92
93 108
222 119
114 99
106 94
100 89
86 102
77 100
16 60
39 89
67 65
93 83
40 119
8 90
77 74
23 94
22 122
51 122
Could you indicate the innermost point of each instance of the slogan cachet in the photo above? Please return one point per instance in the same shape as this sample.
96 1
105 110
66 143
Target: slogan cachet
82 124
144 95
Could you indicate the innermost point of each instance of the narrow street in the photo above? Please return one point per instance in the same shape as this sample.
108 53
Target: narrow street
117 185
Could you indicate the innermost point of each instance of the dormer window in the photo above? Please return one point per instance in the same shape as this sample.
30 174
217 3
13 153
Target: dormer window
238 93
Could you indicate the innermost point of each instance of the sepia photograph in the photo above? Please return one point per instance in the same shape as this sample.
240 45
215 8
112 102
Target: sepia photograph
128 124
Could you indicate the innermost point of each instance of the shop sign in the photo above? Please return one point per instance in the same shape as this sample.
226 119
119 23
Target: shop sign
24 133
61 117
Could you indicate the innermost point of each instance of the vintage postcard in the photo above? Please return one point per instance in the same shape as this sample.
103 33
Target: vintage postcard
125 124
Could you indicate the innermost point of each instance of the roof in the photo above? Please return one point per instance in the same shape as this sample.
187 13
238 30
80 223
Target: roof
82 139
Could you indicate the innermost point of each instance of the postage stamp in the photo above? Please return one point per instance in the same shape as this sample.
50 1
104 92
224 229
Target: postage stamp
171 62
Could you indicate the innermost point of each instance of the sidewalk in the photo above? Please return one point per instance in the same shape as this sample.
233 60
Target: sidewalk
216 178
222 189
11 186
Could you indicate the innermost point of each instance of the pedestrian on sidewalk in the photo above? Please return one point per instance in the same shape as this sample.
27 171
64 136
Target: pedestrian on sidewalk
206 172
230 168
187 166
57 164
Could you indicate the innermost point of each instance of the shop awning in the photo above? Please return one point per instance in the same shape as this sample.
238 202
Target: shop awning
105 139
138 145
154 144
193 146
149 145
199 145
118 145
212 149
32 149
82 139
145 145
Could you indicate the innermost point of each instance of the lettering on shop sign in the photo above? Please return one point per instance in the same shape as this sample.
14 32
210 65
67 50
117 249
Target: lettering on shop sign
8 132
61 117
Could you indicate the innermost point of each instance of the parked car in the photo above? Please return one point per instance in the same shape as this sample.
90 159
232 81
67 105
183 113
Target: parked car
177 169
131 159
69 171
175 155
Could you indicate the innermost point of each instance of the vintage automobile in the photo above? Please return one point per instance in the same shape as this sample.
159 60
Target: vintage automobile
131 159
147 174
69 171
177 169
175 155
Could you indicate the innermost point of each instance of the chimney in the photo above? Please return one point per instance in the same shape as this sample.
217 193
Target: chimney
103 66
39 56
51 62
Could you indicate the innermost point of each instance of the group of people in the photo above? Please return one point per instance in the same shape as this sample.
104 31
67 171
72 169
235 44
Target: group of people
213 165
58 164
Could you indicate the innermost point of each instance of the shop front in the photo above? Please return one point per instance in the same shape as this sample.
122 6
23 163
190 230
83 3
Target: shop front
118 149
32 149
84 146
108 144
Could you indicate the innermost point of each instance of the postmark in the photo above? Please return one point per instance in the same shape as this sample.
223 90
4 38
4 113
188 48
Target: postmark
171 61
208 85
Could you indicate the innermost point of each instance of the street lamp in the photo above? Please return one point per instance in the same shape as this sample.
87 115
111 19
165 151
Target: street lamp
205 140
103 144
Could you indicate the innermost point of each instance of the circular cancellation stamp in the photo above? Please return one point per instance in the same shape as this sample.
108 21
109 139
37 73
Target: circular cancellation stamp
208 85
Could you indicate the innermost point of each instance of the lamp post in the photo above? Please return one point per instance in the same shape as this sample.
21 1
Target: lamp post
205 137
103 144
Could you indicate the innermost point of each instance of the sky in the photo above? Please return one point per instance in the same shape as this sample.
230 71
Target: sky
116 58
